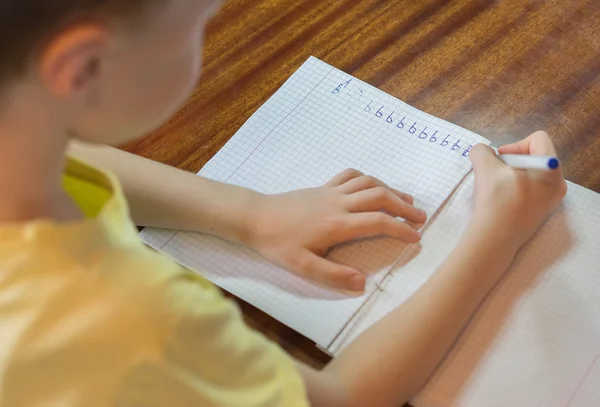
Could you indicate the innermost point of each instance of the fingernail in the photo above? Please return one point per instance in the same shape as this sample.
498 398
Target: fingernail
422 214
357 282
417 236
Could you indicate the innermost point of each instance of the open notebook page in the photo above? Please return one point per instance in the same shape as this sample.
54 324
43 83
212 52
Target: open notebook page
319 123
535 341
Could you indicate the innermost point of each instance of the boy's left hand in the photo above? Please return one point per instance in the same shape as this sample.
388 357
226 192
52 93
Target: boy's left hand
296 229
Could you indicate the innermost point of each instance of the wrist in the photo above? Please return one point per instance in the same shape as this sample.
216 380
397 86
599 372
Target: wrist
223 210
494 241
477 262
246 218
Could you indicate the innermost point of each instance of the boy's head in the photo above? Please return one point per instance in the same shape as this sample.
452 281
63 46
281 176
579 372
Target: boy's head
106 70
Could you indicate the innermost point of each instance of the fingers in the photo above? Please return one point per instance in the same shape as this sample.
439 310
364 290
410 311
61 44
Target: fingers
483 158
521 147
402 195
364 182
330 274
344 177
370 224
360 183
380 198
539 143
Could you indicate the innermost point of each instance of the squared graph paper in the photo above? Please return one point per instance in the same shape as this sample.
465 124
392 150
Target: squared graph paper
535 341
320 122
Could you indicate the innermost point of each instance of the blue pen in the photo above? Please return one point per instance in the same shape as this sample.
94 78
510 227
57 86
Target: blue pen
530 162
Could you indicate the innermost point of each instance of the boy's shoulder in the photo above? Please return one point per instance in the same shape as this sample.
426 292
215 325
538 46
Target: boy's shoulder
73 268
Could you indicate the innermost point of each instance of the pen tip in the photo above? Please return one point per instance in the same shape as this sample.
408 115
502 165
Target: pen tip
553 163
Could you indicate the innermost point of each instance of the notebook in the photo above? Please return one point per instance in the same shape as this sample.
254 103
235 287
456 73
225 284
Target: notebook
536 338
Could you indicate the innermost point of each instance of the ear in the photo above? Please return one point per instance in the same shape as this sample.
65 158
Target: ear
70 64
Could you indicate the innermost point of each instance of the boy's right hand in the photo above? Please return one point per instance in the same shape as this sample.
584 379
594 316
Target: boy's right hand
511 204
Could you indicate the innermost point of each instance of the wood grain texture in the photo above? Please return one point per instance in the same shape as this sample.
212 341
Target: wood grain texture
502 69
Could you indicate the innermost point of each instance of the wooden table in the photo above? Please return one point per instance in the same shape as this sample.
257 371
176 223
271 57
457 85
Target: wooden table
502 69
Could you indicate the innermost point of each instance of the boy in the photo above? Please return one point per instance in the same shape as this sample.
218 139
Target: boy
91 317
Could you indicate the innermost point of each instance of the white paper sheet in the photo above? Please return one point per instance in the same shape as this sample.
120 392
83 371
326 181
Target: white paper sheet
320 122
535 341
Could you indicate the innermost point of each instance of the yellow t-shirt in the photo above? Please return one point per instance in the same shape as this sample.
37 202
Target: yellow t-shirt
89 316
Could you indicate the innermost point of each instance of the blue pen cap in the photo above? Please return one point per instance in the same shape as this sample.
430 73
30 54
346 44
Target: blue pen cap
553 163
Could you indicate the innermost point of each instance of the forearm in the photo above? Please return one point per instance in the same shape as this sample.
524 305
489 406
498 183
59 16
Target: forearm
166 197
390 362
